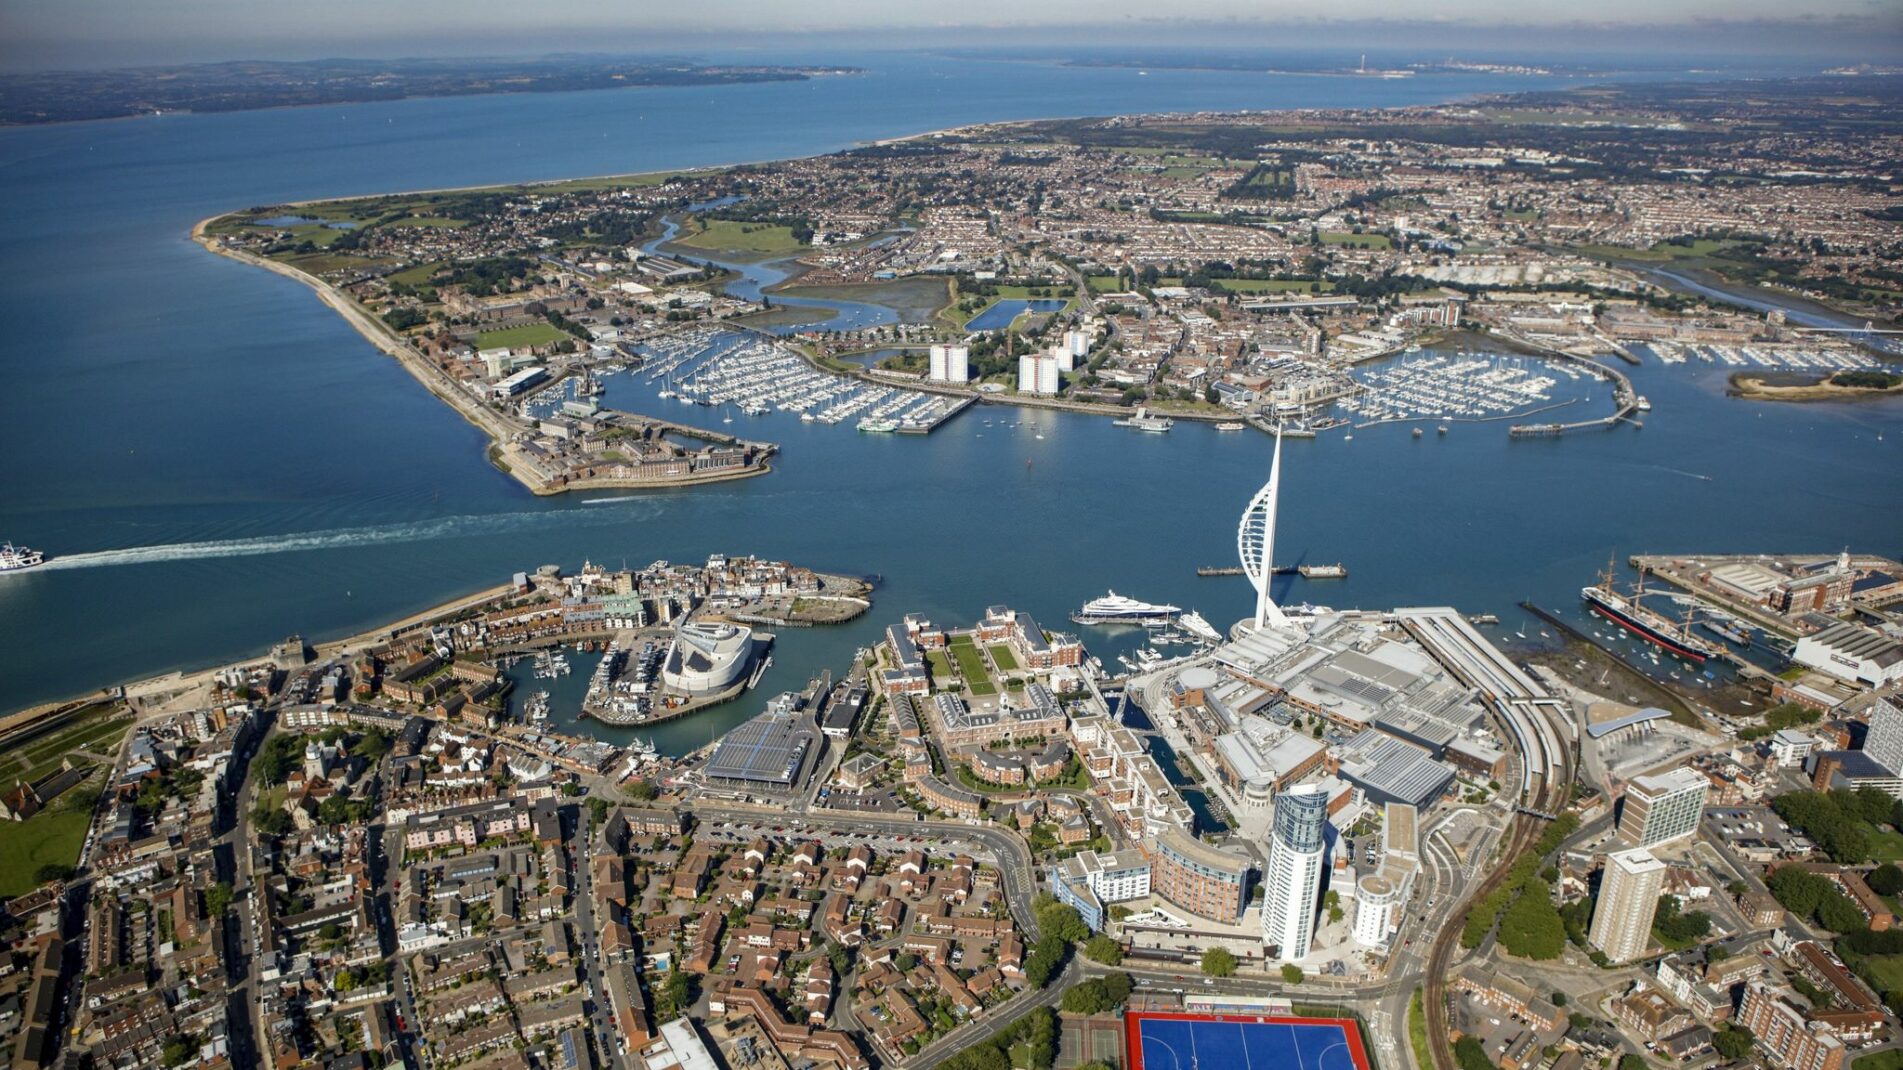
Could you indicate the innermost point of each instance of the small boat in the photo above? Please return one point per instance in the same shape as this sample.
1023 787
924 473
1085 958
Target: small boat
1230 425
14 558
1417 432
1642 404
1442 429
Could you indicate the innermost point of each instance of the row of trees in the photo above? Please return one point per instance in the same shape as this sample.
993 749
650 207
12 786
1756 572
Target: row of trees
1841 822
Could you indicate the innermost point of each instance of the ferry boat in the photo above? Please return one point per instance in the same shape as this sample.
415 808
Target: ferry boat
1143 421
1631 614
871 423
1114 608
14 558
1323 572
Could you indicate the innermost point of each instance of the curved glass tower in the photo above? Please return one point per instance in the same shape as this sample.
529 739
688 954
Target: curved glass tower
1292 886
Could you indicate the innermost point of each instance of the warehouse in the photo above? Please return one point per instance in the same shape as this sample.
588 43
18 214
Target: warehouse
1390 769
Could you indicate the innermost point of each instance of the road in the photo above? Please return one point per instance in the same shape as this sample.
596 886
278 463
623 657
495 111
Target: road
590 937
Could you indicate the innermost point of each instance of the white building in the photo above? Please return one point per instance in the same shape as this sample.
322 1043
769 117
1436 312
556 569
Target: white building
707 657
1291 885
1038 374
1381 897
951 364
1077 344
1852 653
1789 748
1628 897
1884 741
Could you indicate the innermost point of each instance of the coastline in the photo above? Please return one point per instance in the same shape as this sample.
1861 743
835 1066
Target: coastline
500 429
1756 386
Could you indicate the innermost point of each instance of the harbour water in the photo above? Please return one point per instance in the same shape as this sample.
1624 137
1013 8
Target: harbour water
221 461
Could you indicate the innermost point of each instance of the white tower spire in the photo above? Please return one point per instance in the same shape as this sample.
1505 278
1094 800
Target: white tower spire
1255 542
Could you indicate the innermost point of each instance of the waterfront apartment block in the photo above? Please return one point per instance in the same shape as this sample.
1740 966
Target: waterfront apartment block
1197 877
1663 808
1628 897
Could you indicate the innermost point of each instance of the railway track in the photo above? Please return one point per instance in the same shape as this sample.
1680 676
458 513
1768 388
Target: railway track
1525 833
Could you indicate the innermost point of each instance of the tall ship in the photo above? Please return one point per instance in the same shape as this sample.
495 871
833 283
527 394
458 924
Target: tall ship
14 558
1629 612
1114 608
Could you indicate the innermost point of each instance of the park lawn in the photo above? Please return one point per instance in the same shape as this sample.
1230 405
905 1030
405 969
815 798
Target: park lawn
52 837
1417 1030
1103 284
1886 845
971 665
418 275
323 263
940 664
737 236
611 182
1006 661
529 334
1885 972
1879 1060
1274 286
1358 241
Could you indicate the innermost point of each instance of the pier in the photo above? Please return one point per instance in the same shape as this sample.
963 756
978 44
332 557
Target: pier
1624 398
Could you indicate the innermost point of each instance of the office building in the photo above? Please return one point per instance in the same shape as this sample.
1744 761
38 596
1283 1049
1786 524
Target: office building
1628 897
1661 809
1291 887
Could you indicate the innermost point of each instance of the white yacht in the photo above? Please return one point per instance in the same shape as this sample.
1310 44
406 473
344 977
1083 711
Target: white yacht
14 558
1114 608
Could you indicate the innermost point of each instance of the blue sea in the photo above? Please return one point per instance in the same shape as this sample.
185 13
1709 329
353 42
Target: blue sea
223 462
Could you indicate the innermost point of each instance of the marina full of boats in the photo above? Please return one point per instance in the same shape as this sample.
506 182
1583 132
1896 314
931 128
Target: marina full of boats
1462 386
753 375
1761 355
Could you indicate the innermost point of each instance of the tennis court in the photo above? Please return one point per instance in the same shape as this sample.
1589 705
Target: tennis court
1237 1042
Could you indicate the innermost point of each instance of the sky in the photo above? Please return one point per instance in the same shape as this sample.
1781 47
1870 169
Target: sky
91 33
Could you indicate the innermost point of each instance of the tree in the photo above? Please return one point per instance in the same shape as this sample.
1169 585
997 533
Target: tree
218 899
643 791
1531 927
52 871
1837 913
1291 973
1219 962
1673 927
1886 879
1103 949
1733 1042
597 811
1471 1054
1061 920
